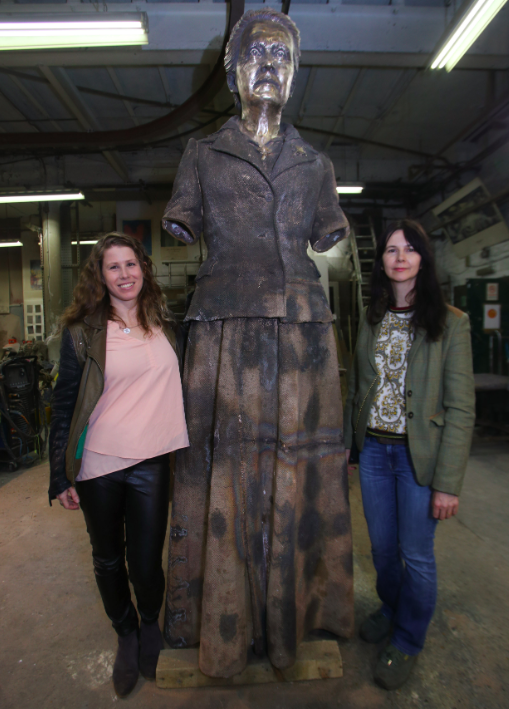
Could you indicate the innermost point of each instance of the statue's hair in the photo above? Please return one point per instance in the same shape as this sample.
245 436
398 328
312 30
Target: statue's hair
233 47
91 294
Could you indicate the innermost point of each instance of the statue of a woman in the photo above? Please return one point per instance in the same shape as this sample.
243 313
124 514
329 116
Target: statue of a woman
260 548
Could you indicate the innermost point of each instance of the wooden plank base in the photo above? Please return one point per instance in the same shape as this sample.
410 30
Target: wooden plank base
320 659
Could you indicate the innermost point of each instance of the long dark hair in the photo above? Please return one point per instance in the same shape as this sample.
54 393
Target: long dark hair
430 310
91 294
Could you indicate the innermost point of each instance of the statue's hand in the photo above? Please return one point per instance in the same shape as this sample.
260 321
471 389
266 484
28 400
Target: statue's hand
329 240
178 231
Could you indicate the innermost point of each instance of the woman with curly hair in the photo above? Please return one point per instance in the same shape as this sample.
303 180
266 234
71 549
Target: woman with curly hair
410 413
117 413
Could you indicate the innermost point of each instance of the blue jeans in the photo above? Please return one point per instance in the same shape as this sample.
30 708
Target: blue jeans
402 533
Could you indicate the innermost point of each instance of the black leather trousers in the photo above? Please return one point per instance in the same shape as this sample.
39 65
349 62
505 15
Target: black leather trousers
126 514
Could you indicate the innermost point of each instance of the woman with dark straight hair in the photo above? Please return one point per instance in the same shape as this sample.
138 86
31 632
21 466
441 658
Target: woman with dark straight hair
410 413
117 412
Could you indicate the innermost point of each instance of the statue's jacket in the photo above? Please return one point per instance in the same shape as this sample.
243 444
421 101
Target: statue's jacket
257 226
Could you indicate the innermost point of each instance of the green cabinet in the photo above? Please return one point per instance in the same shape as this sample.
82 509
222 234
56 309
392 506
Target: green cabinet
471 298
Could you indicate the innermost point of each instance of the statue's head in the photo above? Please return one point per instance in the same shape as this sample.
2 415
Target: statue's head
262 58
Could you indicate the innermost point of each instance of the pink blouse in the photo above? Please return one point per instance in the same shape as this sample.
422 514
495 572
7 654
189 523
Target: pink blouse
140 414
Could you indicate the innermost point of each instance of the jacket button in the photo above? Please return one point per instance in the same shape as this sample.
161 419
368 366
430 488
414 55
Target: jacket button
269 197
409 393
410 415
264 235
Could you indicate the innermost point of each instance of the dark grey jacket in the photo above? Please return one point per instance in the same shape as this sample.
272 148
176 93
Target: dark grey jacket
257 227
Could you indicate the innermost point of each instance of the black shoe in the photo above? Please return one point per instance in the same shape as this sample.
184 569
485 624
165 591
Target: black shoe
393 667
125 669
151 644
375 628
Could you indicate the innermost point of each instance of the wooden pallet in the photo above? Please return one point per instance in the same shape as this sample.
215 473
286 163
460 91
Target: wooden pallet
320 659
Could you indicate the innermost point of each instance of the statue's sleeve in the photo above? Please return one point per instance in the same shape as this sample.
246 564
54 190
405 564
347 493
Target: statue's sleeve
185 207
330 225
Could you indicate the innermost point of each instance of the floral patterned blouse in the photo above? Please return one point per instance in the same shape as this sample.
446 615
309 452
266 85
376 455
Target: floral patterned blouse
395 338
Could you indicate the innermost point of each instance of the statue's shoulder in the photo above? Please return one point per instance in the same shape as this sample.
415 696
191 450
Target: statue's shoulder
226 128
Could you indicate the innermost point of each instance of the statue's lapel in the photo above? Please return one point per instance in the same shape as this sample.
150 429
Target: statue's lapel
295 152
231 141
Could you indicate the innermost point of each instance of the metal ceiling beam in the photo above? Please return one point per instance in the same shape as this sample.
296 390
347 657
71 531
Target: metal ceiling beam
30 97
72 100
17 110
307 93
333 26
167 93
481 118
349 99
15 74
159 129
333 34
391 100
127 104
359 139
192 57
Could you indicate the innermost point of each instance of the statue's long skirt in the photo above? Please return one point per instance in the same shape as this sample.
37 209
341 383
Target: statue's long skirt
260 543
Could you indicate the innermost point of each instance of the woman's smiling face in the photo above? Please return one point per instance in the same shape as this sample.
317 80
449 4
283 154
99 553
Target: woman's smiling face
401 261
122 274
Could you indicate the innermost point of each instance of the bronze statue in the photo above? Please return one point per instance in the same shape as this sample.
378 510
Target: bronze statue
260 547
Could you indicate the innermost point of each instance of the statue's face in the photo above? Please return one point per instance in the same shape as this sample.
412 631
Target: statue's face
265 66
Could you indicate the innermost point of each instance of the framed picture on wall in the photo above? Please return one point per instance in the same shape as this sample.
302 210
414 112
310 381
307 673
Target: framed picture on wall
141 229
171 248
35 275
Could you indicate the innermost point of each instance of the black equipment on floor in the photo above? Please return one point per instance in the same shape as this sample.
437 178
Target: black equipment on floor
23 427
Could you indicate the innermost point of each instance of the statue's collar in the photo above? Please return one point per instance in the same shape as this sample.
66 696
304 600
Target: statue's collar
230 139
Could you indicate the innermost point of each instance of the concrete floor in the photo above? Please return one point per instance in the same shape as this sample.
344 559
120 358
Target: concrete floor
57 647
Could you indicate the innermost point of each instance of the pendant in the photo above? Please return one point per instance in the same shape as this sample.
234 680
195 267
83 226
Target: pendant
127 330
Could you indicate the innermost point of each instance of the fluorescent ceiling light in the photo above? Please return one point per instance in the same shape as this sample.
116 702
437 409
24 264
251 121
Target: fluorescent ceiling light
476 19
39 197
82 243
47 34
349 189
10 243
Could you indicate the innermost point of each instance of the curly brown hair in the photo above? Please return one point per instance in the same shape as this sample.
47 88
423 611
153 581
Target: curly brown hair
91 294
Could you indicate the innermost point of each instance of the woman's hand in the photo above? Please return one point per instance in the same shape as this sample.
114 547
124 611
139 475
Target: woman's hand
350 468
444 505
69 499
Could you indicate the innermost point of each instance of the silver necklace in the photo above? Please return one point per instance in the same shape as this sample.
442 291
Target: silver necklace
127 330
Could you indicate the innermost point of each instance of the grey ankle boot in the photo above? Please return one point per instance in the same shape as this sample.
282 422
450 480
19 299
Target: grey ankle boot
151 644
125 669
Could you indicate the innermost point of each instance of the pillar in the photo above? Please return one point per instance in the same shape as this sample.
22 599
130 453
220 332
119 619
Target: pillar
52 267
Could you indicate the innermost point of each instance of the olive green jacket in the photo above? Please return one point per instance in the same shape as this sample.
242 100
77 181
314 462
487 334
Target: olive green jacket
440 400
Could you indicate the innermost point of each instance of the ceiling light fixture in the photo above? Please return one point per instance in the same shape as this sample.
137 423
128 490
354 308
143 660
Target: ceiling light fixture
349 189
84 243
45 34
39 197
464 34
10 243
